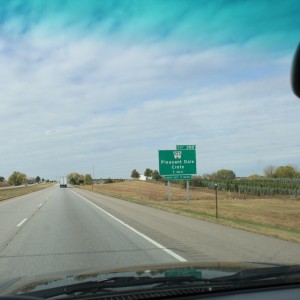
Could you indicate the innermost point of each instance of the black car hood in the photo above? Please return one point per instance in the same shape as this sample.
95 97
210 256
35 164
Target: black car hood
207 270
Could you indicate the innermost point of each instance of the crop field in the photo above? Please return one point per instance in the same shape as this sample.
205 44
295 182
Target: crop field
276 216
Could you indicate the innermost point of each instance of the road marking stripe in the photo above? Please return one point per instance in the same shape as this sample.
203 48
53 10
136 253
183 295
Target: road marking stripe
40 205
158 245
22 222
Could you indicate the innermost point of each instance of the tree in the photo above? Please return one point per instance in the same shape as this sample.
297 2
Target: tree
2 179
148 172
206 176
255 176
30 180
38 179
81 179
225 175
155 175
286 172
212 176
135 174
269 171
73 178
88 179
109 180
17 178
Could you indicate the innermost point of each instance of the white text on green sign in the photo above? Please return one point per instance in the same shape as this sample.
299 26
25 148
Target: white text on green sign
175 162
178 177
185 147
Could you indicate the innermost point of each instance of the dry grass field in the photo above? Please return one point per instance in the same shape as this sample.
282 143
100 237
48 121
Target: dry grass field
276 216
6 193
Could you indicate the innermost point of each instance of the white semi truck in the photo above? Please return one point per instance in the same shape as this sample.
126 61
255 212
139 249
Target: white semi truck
63 182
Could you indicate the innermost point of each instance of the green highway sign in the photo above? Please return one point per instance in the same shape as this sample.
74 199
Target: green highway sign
178 177
177 162
185 147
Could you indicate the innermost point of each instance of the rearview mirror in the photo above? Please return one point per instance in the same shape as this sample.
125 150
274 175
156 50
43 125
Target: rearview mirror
295 76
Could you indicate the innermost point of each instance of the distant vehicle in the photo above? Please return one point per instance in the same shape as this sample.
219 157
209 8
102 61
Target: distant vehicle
63 182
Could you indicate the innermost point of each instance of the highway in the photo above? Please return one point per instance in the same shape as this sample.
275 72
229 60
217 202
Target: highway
65 229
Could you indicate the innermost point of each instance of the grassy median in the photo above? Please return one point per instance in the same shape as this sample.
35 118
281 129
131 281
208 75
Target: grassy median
272 216
6 193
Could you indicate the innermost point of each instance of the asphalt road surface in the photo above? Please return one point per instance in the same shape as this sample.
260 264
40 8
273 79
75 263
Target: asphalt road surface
64 229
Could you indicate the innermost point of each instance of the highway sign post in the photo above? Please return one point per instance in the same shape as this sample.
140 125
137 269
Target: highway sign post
169 192
178 164
187 191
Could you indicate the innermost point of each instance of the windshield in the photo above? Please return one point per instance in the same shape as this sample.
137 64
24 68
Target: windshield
139 133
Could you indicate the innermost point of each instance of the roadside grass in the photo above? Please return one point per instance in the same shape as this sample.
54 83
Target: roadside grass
272 216
19 191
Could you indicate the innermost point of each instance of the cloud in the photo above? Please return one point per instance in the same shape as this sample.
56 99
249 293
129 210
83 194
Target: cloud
68 103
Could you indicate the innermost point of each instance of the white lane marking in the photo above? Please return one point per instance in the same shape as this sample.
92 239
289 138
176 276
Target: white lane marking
158 245
40 205
22 222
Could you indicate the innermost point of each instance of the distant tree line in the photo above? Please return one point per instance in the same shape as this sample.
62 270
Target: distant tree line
110 180
87 179
283 180
258 187
78 179
148 173
19 178
281 172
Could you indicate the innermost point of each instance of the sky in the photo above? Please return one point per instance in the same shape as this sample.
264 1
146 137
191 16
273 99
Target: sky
103 85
